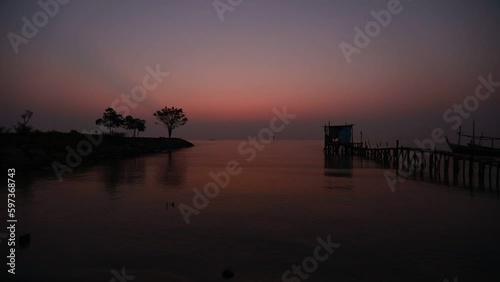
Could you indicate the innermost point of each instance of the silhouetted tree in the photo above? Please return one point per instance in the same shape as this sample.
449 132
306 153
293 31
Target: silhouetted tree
171 118
140 126
22 126
4 129
134 125
110 119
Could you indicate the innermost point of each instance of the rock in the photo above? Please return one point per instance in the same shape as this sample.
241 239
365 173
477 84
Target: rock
228 274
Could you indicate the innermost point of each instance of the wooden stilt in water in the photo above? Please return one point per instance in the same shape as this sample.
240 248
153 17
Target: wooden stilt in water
422 166
437 168
498 176
463 173
414 168
408 163
431 166
446 170
396 160
480 175
456 168
471 174
490 184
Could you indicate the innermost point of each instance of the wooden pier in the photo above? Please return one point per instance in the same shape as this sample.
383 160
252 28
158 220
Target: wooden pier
437 166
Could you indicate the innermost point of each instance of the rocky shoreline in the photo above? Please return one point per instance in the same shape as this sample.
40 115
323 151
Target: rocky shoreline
38 151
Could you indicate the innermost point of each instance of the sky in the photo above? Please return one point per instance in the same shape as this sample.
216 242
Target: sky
229 70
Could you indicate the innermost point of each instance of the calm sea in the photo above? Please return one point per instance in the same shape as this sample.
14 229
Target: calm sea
112 218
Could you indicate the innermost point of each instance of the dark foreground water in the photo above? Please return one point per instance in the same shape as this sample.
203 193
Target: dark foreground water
113 216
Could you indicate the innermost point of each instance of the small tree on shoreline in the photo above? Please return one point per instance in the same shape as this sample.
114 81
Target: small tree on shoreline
4 130
22 126
171 118
110 119
134 125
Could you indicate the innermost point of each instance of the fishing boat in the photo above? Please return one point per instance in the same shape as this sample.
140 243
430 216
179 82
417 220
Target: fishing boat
474 147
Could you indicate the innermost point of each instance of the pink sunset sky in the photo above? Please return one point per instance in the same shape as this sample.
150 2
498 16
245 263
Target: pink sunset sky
229 75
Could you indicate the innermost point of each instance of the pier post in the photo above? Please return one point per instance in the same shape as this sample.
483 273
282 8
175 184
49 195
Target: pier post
498 176
396 160
413 160
471 173
422 165
408 160
489 176
446 170
480 174
437 168
431 166
463 172
456 169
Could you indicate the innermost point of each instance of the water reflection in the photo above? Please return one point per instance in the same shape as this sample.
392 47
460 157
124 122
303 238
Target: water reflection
172 172
338 166
338 172
130 171
283 192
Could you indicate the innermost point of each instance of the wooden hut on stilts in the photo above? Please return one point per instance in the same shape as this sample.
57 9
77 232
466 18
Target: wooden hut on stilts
339 140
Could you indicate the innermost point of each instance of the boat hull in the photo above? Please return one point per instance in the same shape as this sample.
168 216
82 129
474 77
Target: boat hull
473 150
